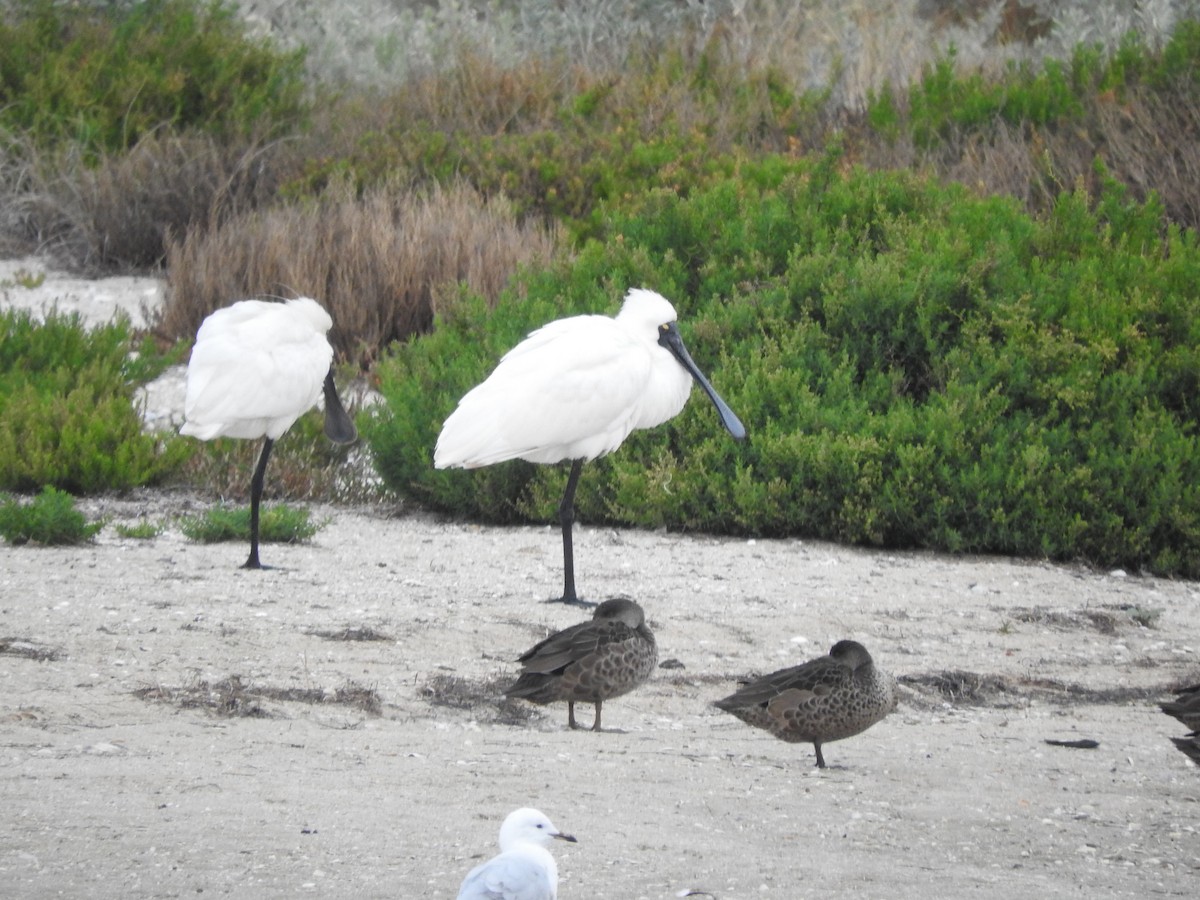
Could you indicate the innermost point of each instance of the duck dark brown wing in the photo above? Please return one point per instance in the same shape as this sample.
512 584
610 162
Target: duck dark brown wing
814 678
558 651
554 652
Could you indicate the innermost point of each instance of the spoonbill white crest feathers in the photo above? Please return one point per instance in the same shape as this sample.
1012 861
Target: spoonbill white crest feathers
256 367
575 389
524 868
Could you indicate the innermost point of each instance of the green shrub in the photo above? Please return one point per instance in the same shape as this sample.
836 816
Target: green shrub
104 76
559 174
945 103
67 415
144 530
917 367
277 524
558 142
50 519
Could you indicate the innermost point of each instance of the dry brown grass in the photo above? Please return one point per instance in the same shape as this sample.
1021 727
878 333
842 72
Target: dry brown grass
26 648
962 688
1145 141
1107 620
352 633
378 263
1148 142
113 214
483 698
234 697
482 96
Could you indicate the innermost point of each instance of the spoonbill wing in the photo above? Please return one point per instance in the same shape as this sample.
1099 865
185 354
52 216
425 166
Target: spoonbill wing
571 390
254 370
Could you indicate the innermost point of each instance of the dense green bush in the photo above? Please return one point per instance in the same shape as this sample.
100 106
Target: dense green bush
103 77
67 417
945 102
916 367
50 519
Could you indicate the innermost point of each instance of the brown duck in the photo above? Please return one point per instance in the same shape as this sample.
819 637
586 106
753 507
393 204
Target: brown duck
826 699
1185 707
605 657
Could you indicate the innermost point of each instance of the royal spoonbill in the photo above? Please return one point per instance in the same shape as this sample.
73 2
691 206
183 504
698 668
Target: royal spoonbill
524 868
256 367
825 699
591 662
574 389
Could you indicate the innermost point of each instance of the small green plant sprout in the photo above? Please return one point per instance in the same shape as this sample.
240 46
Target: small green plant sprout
280 524
50 519
25 279
142 531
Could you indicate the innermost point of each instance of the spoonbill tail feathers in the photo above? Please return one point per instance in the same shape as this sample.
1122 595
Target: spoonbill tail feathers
256 367
574 390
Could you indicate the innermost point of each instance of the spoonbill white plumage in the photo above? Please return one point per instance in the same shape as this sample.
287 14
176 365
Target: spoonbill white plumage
524 868
574 389
256 367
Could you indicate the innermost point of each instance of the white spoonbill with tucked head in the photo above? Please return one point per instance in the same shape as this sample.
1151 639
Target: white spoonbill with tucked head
574 389
256 367
524 868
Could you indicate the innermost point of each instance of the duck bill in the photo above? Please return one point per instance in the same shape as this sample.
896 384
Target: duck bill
668 337
339 427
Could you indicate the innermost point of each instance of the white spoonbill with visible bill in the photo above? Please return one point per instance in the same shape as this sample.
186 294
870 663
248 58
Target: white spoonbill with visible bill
256 367
575 389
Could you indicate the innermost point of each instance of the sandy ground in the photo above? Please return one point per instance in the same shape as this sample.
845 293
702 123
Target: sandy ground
34 284
171 725
120 779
